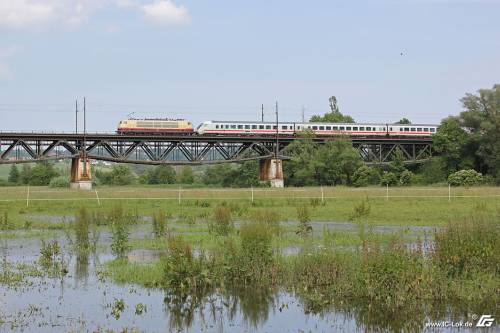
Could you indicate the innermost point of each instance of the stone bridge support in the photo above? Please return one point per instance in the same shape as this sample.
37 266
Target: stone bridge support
80 174
271 170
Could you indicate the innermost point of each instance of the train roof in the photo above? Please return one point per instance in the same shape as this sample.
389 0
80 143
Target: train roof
310 123
164 119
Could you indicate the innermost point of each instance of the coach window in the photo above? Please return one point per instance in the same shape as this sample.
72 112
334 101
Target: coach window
426 129
217 126
322 128
328 128
335 128
390 129
227 126
348 128
261 126
342 128
254 126
368 128
413 129
419 129
247 126
315 127
268 126
354 128
233 126
284 127
240 126
433 130
407 129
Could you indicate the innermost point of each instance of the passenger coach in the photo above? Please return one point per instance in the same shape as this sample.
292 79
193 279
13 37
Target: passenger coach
286 128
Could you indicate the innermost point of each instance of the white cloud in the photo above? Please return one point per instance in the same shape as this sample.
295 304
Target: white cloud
112 28
166 13
29 14
5 54
22 13
25 14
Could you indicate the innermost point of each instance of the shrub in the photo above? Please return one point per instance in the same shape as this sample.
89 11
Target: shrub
465 178
389 178
60 181
406 178
365 176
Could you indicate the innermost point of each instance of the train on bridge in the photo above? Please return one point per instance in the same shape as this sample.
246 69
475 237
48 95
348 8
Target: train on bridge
250 128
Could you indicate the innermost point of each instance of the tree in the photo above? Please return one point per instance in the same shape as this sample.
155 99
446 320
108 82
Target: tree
42 173
186 175
216 174
311 163
397 164
25 174
119 175
14 176
433 171
450 142
404 121
334 116
482 118
161 174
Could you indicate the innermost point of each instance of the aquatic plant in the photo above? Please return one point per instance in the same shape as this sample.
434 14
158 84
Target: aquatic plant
159 224
120 238
222 222
304 217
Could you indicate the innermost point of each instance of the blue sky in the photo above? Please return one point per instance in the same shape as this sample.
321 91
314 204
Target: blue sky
204 60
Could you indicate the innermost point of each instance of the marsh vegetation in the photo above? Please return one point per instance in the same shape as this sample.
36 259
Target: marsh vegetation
275 261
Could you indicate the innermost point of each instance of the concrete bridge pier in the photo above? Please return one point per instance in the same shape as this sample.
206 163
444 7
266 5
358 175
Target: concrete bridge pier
80 174
271 170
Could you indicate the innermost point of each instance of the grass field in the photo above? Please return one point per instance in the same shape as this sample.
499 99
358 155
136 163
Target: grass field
416 206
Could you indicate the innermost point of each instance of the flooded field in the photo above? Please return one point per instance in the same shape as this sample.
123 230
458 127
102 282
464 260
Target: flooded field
241 267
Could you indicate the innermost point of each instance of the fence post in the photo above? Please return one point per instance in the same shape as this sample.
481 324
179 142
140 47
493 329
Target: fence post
251 186
387 192
322 195
28 197
179 195
449 192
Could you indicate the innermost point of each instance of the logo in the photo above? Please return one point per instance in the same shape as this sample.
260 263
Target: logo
485 321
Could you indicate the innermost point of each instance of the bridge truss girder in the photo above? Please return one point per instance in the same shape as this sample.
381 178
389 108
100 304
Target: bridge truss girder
30 147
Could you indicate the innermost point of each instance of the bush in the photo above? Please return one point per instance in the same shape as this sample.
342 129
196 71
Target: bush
465 178
389 178
365 176
406 178
60 181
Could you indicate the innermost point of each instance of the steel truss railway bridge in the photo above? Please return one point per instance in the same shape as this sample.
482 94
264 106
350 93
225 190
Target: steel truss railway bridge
187 150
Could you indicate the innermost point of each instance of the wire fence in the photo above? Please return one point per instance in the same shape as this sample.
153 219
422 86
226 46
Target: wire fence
36 194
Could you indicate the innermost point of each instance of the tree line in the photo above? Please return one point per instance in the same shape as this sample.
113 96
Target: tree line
467 147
